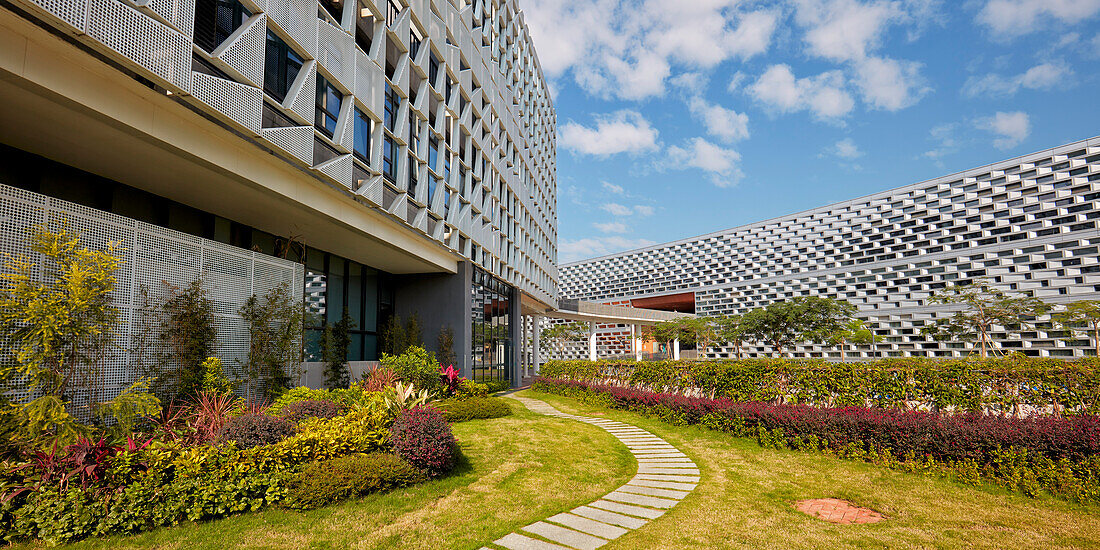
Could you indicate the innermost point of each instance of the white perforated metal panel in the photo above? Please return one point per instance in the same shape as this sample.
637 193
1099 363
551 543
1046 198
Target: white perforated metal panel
180 14
338 169
296 140
298 19
240 102
244 53
160 50
154 259
336 53
71 12
302 100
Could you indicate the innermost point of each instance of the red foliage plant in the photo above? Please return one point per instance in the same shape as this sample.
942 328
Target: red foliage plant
450 378
423 438
945 437
210 412
380 379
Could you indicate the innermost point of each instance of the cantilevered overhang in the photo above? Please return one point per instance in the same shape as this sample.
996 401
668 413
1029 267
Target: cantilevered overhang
590 312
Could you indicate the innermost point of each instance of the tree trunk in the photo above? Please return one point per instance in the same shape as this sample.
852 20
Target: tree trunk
842 351
1096 336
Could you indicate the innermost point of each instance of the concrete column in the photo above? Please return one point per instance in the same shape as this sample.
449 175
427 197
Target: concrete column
676 349
636 342
536 347
591 341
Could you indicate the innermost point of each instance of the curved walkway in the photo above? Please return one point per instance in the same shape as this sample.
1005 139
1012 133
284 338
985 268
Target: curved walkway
665 476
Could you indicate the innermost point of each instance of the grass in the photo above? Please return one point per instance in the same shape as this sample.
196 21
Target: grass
516 470
745 501
526 467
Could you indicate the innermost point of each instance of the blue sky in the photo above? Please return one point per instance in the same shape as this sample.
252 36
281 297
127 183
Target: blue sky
682 117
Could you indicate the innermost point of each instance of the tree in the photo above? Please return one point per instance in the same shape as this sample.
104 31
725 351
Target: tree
187 328
855 331
445 342
664 332
729 329
805 318
983 307
394 338
58 318
557 334
335 341
274 345
702 331
1081 313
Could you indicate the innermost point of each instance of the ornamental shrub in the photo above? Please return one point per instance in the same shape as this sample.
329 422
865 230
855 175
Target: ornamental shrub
362 430
329 481
468 388
415 366
1057 454
312 408
423 438
294 395
461 410
253 430
1016 385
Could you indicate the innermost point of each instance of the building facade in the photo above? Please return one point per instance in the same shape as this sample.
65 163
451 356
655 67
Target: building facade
1028 225
400 153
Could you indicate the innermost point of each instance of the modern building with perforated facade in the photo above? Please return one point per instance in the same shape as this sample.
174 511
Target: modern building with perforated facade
1028 224
382 157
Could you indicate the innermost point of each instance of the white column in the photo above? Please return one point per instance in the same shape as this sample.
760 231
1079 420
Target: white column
635 342
535 345
591 341
676 349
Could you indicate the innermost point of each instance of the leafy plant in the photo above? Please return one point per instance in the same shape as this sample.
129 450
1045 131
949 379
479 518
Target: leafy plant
805 318
187 327
852 332
416 366
335 341
134 403
423 438
274 347
984 306
329 481
461 410
59 319
294 395
213 376
450 378
1083 313
404 396
445 343
251 430
729 329
313 408
380 378
210 412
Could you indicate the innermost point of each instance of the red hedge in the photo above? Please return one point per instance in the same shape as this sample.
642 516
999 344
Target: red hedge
925 434
423 438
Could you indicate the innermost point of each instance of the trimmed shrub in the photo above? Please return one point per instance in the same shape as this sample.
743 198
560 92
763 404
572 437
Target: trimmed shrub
423 438
461 410
312 408
294 395
253 430
1015 384
468 388
1057 454
493 386
327 482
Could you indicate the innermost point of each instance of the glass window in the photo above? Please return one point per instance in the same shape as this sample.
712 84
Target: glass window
492 344
281 67
391 104
389 159
215 20
412 177
433 69
362 135
328 106
433 154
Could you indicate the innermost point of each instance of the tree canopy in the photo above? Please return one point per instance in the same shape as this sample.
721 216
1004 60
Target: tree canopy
984 306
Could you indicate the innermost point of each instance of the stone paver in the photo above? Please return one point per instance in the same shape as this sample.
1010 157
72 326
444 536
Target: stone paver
838 511
665 476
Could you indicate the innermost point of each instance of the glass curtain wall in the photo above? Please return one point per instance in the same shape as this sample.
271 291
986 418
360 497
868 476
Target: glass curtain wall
491 314
335 284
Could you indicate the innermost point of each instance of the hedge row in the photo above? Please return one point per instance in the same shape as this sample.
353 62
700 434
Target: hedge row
1015 385
1060 455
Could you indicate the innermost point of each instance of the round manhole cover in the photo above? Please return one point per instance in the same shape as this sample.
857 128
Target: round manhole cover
838 511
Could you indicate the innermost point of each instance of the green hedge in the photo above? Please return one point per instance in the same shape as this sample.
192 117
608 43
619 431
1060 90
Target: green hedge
474 408
1013 384
329 481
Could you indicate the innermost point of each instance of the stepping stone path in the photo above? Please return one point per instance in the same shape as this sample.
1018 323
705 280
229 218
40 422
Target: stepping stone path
837 511
665 476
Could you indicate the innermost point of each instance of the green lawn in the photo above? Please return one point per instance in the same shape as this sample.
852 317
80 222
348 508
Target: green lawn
526 467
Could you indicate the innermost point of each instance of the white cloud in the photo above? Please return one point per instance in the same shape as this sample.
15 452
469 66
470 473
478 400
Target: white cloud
582 249
727 124
739 77
946 143
845 30
611 227
620 132
889 84
1039 77
1009 18
616 209
720 162
845 149
823 95
1010 128
1095 46
626 49
617 189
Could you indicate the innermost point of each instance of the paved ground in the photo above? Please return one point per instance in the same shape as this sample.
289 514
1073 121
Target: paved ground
665 476
837 511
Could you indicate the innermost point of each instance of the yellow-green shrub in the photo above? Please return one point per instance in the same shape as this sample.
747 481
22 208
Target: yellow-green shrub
362 430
